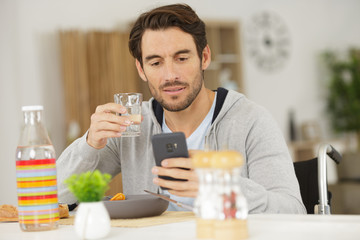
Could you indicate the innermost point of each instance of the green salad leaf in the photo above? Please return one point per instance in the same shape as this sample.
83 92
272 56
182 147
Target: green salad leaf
88 186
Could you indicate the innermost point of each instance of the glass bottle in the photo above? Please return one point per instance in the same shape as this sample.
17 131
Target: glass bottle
36 174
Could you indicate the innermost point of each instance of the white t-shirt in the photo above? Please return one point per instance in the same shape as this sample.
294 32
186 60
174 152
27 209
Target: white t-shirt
196 141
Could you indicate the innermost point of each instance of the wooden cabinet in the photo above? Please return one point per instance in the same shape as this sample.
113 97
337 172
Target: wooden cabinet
226 67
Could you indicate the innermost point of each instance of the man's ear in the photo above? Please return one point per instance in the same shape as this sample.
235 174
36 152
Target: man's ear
206 57
140 70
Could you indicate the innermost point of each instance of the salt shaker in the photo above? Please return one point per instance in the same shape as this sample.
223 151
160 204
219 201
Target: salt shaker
230 204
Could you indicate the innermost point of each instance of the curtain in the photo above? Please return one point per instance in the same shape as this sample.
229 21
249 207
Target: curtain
95 66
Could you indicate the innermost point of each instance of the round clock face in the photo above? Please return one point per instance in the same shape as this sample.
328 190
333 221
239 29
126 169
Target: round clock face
268 41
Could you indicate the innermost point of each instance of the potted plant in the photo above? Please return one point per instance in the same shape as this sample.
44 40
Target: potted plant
344 103
92 220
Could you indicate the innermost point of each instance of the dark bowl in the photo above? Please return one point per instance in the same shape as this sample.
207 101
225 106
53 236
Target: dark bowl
136 206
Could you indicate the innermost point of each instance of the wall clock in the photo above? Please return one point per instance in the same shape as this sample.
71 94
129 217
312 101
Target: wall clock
268 41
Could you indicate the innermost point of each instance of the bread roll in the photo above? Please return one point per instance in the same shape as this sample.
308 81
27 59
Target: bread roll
63 211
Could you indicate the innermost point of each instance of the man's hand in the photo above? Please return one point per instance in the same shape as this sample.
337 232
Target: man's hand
170 167
105 124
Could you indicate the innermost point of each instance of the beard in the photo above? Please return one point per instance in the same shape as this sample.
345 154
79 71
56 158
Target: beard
178 106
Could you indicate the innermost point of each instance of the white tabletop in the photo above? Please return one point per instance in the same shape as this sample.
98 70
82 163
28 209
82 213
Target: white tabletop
261 226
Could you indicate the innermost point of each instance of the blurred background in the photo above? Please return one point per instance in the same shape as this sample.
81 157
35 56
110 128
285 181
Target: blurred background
291 57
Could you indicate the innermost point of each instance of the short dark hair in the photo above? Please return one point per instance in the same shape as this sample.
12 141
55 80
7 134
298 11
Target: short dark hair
175 15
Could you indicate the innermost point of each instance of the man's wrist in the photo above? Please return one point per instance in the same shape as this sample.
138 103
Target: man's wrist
90 144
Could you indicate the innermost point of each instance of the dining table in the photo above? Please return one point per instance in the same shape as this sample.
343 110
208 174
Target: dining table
260 226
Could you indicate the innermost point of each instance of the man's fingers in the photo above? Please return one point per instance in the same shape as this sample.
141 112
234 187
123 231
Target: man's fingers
172 167
178 186
175 173
177 162
109 117
108 126
111 107
105 124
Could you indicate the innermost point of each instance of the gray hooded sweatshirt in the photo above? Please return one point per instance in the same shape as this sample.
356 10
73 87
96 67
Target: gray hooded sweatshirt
268 178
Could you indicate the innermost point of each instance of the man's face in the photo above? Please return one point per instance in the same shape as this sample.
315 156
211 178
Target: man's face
172 67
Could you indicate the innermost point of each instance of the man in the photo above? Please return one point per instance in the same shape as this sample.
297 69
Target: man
170 47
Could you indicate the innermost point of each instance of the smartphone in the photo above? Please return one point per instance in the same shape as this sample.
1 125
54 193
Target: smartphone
169 145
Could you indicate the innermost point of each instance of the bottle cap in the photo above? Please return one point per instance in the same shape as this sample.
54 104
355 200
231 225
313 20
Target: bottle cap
227 159
202 159
32 108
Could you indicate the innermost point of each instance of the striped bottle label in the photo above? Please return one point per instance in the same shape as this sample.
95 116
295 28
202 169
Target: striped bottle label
37 191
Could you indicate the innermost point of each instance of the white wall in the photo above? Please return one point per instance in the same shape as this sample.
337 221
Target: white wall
9 128
30 71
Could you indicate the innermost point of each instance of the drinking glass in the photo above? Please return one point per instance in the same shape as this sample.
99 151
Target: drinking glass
132 103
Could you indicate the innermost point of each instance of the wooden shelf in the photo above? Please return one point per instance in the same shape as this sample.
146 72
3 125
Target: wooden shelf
224 41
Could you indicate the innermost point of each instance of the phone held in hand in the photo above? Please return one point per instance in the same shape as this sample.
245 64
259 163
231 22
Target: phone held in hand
169 145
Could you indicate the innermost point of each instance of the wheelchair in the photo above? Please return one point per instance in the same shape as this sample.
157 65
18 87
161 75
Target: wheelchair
312 178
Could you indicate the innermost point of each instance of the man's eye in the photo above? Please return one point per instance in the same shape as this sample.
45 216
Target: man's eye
183 59
155 64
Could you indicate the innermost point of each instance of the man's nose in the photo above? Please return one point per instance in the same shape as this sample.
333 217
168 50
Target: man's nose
170 71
